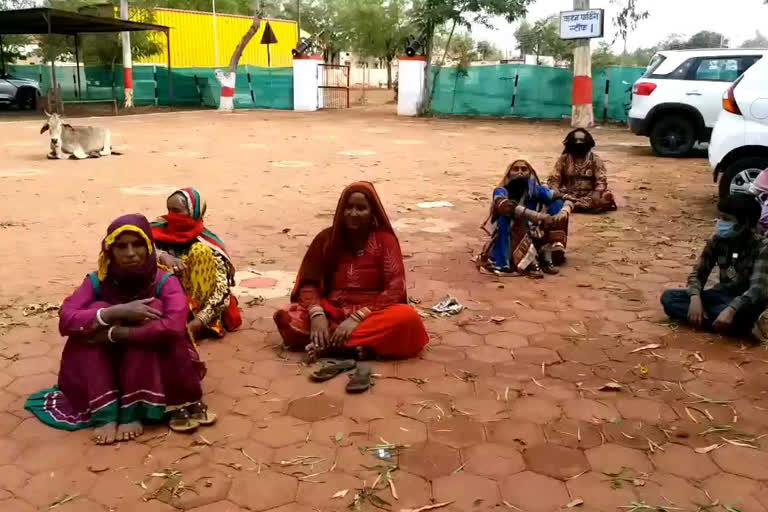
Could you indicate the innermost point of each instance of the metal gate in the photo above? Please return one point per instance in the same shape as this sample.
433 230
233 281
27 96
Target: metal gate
332 86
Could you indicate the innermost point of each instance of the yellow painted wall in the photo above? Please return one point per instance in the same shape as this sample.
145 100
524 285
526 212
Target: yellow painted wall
192 40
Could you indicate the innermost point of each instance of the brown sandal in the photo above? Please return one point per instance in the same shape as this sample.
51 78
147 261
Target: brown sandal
182 421
199 413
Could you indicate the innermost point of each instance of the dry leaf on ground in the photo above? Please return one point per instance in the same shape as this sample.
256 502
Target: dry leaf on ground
426 507
707 449
646 347
341 493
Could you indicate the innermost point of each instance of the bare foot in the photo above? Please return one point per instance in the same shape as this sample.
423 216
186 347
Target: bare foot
105 434
129 431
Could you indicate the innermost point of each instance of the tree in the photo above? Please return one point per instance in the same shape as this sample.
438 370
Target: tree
326 16
376 29
759 41
707 39
543 38
227 79
428 15
603 56
486 50
627 18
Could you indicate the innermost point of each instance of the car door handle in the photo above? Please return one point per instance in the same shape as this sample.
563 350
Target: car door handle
693 93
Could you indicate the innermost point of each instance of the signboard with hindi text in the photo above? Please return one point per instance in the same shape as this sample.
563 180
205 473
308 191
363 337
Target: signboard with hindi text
583 24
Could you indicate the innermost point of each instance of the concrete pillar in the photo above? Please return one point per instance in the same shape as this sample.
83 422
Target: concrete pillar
305 82
410 84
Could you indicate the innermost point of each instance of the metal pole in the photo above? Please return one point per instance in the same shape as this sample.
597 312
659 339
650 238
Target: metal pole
298 19
77 66
215 33
170 70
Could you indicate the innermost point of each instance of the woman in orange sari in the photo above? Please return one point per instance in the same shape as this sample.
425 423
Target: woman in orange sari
350 292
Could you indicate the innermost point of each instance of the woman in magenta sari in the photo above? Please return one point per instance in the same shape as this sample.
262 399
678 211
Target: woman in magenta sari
350 291
128 358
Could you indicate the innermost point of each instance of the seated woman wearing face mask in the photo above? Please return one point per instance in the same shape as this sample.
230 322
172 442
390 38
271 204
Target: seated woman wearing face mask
528 224
741 253
580 175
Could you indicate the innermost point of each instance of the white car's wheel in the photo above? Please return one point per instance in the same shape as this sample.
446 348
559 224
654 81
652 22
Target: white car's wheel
740 174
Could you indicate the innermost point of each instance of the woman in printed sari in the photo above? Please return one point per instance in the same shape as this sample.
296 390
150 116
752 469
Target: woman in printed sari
128 359
528 224
200 260
350 292
580 175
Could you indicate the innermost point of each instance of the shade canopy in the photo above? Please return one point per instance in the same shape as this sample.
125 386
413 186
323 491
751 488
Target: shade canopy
54 21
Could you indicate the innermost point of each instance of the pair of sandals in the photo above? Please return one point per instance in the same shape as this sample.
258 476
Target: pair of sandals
190 418
360 380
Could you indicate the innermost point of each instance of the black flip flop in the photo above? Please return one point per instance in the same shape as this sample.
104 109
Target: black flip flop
359 381
332 369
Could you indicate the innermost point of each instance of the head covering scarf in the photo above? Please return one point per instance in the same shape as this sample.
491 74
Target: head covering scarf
571 138
181 229
320 261
489 224
120 285
760 186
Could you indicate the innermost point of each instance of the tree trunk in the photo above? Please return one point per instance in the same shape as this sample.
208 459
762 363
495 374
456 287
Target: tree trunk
389 73
424 107
227 79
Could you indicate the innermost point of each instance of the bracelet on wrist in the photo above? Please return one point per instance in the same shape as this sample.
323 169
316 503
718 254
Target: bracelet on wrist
100 319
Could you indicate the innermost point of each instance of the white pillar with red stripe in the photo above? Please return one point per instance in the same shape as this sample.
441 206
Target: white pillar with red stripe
127 59
227 96
582 115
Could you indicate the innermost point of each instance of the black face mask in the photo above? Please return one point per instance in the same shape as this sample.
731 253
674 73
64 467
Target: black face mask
517 187
577 148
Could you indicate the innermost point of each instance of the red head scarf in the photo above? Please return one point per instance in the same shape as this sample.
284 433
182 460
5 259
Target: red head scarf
320 261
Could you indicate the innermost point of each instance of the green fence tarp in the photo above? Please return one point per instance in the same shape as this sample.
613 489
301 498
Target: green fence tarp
255 87
535 92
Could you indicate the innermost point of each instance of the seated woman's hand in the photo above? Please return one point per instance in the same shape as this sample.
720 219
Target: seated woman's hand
318 332
172 262
344 331
137 311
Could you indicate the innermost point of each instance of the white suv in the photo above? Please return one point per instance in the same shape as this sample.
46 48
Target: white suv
677 101
738 150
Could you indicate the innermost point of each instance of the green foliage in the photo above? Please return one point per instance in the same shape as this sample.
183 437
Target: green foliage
375 28
543 38
486 50
326 16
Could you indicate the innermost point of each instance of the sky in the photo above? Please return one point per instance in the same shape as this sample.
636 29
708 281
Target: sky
737 19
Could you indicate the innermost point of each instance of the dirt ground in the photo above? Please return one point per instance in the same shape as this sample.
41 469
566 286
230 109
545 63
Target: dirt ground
508 415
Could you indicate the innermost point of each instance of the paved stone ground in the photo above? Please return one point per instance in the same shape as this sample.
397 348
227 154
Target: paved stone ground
513 414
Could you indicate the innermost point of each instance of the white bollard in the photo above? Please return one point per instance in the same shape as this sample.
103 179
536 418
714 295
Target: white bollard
410 84
227 96
305 83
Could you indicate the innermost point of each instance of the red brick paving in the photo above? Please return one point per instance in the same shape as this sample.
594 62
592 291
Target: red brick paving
492 415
